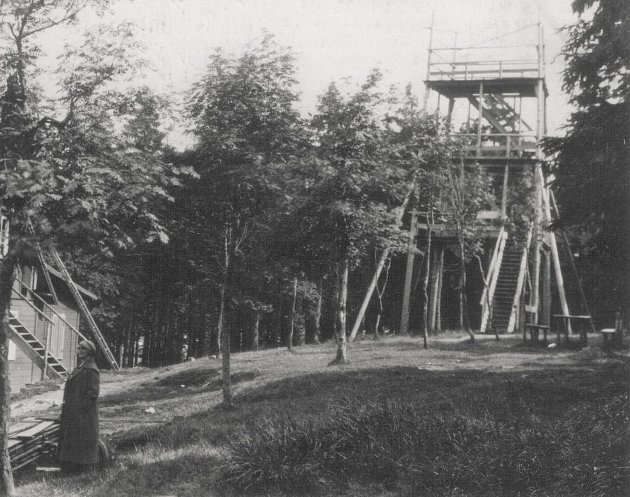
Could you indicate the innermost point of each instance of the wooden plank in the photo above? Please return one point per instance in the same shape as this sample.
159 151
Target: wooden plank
23 425
35 430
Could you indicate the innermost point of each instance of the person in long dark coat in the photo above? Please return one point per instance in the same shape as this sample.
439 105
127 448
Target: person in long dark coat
79 431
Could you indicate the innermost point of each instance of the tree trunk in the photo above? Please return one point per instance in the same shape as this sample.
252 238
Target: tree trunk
230 251
342 357
463 301
380 291
336 303
226 383
220 318
438 307
7 274
377 322
425 282
299 320
255 332
317 332
292 323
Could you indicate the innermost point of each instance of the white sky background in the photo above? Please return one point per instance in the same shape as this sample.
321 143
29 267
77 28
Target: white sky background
334 39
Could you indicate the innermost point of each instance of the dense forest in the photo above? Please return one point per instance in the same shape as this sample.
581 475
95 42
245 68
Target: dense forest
267 231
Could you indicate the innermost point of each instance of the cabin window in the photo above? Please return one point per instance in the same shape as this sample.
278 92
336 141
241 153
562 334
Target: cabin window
29 280
59 336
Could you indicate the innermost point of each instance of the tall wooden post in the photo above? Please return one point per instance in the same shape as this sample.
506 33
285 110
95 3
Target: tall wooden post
480 110
411 254
504 194
552 200
436 275
545 312
425 99
538 186
556 259
379 268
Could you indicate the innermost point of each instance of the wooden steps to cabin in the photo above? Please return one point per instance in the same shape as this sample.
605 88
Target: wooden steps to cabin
34 349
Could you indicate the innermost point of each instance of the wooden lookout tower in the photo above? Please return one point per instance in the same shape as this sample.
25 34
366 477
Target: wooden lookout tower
495 100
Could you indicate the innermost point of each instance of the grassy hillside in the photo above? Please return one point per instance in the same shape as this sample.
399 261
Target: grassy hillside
459 419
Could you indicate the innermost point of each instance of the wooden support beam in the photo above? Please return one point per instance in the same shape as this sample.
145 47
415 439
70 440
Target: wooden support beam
545 312
534 298
411 254
555 257
480 118
554 205
427 89
379 268
504 196
438 260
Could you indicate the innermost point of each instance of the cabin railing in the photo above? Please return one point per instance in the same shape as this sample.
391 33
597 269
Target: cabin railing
33 294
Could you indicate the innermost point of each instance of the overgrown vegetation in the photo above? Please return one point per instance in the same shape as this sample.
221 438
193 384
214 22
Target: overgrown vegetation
511 440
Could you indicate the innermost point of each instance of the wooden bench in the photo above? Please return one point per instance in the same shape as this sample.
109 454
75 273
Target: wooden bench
534 329
576 323
534 332
613 337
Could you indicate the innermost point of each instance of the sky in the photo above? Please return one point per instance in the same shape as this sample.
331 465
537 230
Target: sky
337 39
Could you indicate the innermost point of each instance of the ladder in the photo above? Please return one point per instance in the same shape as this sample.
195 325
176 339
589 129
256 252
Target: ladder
85 311
34 349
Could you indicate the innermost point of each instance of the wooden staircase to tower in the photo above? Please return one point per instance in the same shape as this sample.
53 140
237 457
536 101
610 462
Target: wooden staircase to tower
506 286
505 281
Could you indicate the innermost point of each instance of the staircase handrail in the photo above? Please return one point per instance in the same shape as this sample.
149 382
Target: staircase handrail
492 277
49 307
32 306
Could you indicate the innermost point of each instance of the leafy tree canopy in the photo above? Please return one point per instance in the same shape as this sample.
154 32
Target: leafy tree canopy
591 162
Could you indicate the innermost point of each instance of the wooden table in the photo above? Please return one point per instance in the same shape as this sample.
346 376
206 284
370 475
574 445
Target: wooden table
582 324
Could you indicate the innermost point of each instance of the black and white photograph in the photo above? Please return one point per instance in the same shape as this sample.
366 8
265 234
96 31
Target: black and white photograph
351 248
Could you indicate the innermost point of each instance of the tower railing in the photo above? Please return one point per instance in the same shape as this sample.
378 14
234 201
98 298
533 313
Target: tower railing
497 145
483 69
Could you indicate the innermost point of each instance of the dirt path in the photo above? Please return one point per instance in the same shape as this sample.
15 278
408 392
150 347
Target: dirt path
49 403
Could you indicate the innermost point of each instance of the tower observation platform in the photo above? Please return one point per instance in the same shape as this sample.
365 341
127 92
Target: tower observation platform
495 99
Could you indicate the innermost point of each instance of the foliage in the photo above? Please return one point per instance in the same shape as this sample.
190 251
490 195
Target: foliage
467 192
351 205
591 161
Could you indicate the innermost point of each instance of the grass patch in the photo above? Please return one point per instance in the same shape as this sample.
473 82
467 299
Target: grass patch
489 419
488 445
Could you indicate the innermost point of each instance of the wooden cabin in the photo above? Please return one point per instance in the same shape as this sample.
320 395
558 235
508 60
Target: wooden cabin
44 325
43 320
